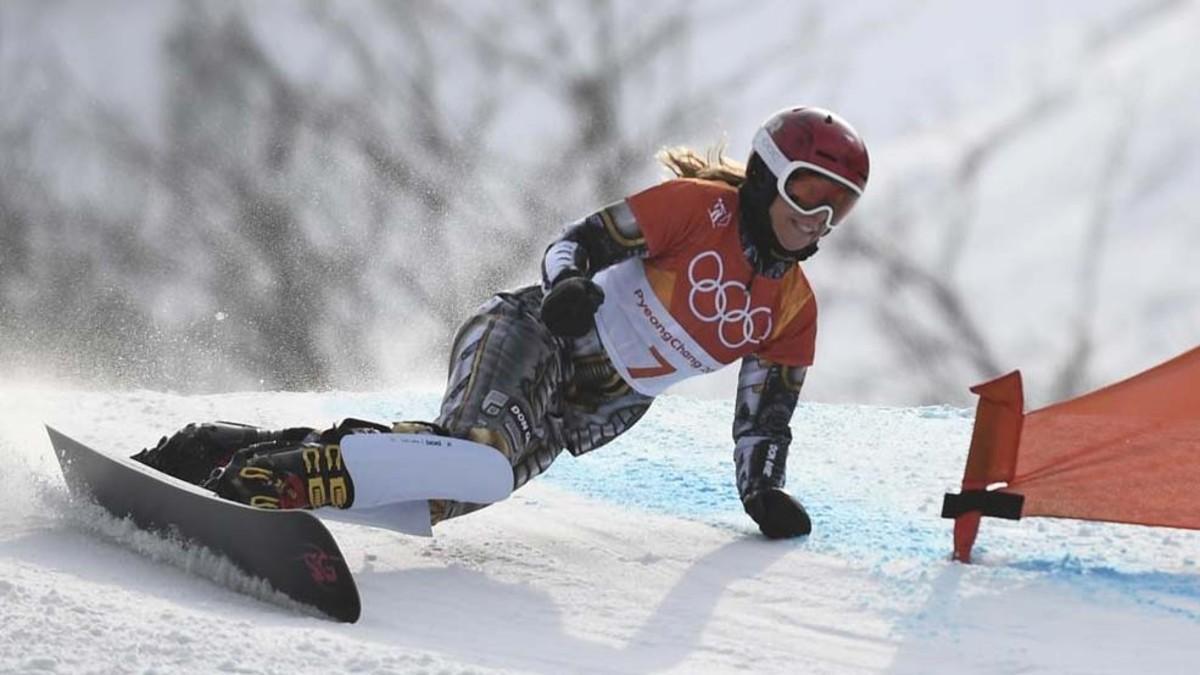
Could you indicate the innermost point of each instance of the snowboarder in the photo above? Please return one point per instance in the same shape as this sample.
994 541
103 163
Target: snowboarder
675 281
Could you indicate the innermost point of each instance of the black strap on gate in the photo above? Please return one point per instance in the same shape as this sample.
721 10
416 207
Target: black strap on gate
997 504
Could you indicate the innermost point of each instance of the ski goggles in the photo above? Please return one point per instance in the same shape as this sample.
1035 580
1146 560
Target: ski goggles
815 190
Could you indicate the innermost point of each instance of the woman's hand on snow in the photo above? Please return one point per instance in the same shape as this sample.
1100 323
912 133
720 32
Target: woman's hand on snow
778 514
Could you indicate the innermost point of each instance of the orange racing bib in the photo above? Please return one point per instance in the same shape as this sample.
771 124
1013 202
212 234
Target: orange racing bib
693 304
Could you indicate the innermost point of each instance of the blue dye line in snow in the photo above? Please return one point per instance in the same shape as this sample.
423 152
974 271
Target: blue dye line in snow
700 486
1160 590
659 483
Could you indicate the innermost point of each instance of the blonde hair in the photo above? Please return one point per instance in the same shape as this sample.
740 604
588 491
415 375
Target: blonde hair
712 165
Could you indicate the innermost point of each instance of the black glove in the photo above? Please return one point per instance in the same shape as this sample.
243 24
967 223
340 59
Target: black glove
569 309
778 514
760 479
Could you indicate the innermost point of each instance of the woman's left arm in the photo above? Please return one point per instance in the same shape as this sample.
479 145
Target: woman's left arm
766 398
604 238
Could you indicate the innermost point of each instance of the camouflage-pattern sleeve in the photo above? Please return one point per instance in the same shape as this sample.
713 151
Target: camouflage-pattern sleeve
766 398
604 238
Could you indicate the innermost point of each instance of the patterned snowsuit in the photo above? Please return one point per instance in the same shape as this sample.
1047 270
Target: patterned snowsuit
686 293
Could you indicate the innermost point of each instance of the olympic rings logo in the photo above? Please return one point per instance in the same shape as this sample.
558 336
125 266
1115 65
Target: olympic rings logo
722 296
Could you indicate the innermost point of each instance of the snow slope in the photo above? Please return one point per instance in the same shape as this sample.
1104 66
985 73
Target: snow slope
633 559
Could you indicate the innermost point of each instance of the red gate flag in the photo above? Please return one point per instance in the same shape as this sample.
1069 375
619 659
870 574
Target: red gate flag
1127 453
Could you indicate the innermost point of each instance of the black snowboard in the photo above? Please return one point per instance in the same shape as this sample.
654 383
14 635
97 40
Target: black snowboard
291 550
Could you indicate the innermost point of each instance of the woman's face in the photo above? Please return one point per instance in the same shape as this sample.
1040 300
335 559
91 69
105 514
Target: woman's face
826 200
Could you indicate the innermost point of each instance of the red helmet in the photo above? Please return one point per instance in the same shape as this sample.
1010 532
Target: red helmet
814 140
816 137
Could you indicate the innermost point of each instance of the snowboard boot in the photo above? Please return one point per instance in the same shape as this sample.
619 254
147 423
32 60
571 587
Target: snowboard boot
293 473
192 453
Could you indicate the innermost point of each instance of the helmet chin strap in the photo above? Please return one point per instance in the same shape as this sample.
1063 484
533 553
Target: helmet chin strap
777 251
804 253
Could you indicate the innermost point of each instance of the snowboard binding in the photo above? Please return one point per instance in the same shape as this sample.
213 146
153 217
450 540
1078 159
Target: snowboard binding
292 473
284 475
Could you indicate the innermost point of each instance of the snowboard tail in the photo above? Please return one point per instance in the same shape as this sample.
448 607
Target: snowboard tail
291 550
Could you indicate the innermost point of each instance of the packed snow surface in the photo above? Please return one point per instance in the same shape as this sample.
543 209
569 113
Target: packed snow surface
633 559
